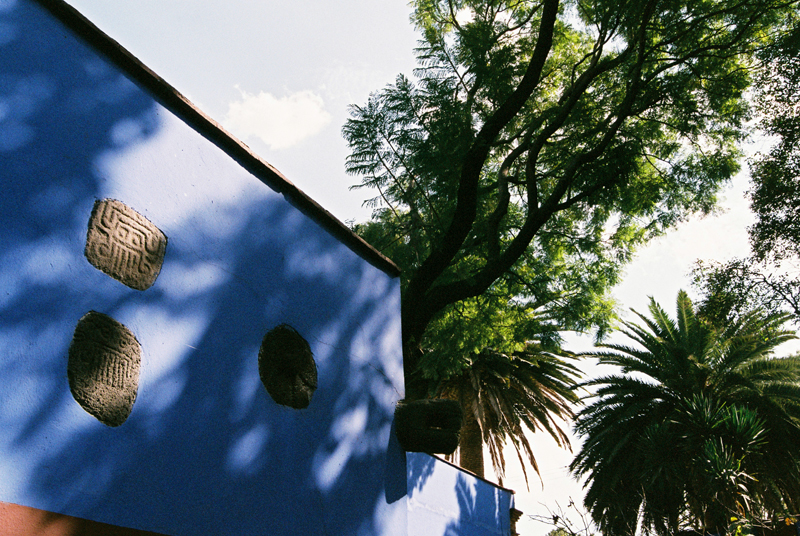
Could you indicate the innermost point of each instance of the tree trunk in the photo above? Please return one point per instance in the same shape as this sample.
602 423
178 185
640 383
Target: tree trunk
416 385
419 307
471 445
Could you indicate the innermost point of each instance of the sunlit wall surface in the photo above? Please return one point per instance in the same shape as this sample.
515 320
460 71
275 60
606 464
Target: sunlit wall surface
205 450
444 500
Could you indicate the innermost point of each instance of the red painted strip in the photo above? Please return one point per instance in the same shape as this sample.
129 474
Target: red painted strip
16 520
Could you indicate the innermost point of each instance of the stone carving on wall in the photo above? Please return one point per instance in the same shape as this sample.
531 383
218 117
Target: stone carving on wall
124 244
103 368
287 368
430 425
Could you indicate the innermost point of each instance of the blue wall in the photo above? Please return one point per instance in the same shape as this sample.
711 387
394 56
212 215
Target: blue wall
205 450
444 500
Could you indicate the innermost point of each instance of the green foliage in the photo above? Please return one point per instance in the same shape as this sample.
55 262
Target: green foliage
776 175
506 394
700 425
740 287
538 146
545 293
762 281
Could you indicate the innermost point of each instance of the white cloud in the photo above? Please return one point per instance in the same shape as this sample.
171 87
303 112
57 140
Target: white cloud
278 122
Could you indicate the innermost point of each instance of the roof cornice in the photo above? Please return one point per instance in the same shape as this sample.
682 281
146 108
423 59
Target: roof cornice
174 101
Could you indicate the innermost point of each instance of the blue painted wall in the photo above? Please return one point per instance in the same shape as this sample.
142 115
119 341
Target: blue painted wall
444 500
205 450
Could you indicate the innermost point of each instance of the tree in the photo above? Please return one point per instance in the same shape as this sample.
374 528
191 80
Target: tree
540 144
701 424
740 286
502 395
573 521
776 175
762 280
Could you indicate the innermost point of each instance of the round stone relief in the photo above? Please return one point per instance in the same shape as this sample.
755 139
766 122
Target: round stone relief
287 368
103 368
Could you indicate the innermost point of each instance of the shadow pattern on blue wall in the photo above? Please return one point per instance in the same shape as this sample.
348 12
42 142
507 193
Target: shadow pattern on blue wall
205 450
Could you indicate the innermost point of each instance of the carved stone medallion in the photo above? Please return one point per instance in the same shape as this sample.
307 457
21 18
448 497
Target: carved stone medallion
124 244
287 368
430 425
103 368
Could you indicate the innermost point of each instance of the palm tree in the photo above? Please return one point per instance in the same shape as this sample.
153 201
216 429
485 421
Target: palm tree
702 423
503 395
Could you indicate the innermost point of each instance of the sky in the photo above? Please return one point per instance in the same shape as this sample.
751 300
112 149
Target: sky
278 75
281 75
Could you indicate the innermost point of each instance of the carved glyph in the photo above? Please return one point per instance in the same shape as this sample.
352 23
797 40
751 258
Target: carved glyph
124 244
103 368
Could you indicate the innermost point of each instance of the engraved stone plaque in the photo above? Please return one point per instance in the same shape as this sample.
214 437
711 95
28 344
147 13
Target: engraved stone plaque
287 368
124 244
103 368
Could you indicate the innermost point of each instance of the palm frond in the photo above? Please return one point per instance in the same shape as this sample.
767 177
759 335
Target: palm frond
511 395
726 407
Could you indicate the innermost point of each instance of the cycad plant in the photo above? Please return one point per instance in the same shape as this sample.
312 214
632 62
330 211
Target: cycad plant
503 395
701 424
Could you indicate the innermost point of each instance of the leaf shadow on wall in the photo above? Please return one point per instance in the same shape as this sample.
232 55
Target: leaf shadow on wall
481 510
205 449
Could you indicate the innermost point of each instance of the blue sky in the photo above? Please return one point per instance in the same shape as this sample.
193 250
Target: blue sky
280 75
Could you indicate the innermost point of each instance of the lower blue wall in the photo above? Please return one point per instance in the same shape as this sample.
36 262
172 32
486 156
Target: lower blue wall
445 500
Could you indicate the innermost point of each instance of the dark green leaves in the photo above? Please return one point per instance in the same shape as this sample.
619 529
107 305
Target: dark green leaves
507 394
696 428
776 175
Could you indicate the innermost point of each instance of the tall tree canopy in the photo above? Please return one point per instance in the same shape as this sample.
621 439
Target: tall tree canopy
699 425
765 279
776 175
540 143
741 286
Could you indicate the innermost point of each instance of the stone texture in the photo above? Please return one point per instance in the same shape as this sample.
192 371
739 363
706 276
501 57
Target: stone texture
103 368
124 244
431 425
287 368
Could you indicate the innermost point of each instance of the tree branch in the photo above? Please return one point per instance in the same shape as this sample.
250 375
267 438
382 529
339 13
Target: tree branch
466 204
442 295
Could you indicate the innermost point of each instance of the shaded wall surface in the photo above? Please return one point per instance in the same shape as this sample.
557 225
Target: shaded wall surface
205 450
